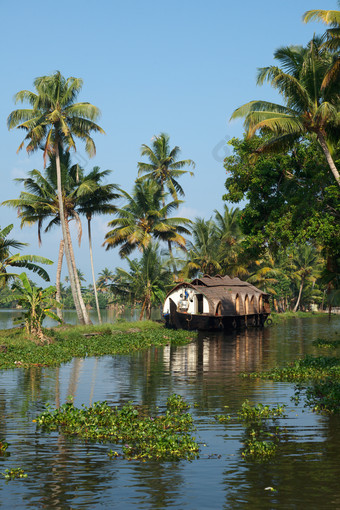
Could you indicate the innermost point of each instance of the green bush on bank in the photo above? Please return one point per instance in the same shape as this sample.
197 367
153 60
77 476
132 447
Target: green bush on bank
67 342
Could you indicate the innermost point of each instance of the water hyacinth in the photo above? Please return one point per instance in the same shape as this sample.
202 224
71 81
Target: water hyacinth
165 436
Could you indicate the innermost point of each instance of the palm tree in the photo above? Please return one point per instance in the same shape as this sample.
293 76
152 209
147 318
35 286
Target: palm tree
16 260
203 251
331 18
54 120
164 169
264 273
105 277
228 230
310 108
147 280
305 267
40 202
143 218
97 201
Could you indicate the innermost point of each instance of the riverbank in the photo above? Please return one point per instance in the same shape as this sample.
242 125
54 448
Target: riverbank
17 349
67 342
277 318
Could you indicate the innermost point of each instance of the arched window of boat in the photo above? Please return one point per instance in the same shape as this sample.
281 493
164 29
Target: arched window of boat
237 303
260 304
252 309
246 305
219 309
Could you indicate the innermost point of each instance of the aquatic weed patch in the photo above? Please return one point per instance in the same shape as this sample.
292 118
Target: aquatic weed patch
261 437
141 436
304 369
11 474
3 448
84 341
321 375
257 449
326 344
249 413
322 396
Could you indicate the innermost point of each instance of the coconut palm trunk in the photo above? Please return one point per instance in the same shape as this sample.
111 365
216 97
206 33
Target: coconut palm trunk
329 158
171 255
58 277
68 243
63 222
299 296
92 267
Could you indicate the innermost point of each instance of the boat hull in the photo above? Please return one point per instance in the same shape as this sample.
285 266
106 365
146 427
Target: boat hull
202 322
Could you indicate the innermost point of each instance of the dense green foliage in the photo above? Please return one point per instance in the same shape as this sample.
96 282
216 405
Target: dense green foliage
290 198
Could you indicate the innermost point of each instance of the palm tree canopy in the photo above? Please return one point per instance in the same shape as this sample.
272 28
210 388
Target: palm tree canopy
94 197
330 17
54 117
143 218
164 167
82 194
203 251
16 260
311 106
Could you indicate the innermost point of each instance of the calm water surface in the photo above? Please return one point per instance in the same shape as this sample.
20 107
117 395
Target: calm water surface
68 473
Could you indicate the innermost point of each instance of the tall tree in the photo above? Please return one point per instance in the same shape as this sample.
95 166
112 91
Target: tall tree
305 266
147 280
164 169
203 254
228 229
289 196
98 200
39 202
144 218
310 108
55 120
331 18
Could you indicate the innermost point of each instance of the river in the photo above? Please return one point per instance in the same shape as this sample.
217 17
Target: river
68 473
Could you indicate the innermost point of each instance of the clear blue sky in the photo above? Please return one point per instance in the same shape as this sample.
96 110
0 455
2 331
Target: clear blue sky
179 67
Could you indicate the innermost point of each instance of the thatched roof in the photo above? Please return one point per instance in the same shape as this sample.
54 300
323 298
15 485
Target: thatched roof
224 290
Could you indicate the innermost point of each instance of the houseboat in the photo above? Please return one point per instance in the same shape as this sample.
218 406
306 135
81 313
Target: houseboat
215 302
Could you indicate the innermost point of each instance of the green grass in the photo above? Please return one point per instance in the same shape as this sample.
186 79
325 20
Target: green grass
67 342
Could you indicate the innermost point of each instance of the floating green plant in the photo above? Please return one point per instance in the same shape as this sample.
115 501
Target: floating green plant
11 474
256 449
321 396
260 412
165 436
304 369
222 418
3 448
327 344
261 438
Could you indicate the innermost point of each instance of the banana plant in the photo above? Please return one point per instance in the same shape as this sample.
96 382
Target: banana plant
37 303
